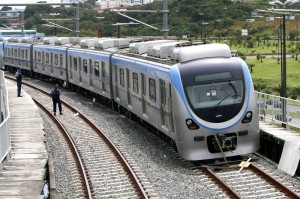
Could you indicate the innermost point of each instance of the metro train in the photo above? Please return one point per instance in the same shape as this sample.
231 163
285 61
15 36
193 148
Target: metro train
199 96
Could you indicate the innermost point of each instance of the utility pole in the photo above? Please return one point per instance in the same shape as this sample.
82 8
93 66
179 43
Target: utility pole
165 11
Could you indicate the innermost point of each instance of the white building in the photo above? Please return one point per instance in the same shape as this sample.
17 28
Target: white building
106 4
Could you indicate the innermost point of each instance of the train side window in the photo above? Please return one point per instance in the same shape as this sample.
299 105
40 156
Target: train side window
26 54
22 54
39 56
75 63
84 65
47 58
61 59
122 80
135 81
152 90
56 59
96 68
51 58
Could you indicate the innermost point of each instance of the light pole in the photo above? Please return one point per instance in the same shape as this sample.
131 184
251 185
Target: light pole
100 28
219 25
203 23
283 54
201 14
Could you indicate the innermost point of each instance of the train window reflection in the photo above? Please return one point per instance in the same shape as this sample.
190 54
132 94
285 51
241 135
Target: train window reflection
216 94
135 81
96 68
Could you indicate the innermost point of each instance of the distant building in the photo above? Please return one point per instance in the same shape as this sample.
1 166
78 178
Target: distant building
107 4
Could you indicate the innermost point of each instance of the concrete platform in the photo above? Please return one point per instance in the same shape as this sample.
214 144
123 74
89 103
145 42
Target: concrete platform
290 156
24 172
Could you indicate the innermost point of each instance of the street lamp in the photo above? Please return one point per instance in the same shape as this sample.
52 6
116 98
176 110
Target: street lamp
100 28
203 23
201 14
219 24
283 66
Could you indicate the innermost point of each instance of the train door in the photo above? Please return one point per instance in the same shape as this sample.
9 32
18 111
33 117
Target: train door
91 72
117 94
80 69
19 58
61 64
166 106
128 82
51 62
43 59
71 67
143 88
103 76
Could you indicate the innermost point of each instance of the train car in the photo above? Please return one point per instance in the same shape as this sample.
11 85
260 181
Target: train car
199 95
89 69
50 60
18 55
205 103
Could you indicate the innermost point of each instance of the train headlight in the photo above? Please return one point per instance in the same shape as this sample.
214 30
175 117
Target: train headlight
191 124
248 117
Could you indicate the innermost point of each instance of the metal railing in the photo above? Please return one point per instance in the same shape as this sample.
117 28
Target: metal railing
270 109
5 141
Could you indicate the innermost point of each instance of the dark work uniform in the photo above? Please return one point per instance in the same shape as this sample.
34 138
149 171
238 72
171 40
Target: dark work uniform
55 92
19 82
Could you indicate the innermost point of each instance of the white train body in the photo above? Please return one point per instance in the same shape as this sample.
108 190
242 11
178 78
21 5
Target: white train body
204 101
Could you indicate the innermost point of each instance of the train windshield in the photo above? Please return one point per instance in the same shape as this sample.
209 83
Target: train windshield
216 97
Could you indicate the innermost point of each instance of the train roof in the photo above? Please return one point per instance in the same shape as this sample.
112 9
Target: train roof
162 51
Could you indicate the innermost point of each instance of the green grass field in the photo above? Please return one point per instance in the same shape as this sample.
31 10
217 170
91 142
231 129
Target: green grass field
270 70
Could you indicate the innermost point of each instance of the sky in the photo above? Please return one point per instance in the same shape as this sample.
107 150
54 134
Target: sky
25 1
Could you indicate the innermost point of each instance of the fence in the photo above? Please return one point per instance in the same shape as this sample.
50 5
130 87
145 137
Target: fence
270 109
5 142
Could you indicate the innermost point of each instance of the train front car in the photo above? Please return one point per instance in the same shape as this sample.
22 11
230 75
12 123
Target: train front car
216 114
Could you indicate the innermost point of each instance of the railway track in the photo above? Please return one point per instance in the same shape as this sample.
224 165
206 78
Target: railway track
247 181
104 171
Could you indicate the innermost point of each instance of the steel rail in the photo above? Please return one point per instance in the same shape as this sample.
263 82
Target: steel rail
134 179
80 165
288 192
230 192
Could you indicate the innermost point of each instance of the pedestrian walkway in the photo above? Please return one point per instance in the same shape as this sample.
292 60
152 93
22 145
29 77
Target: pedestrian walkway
25 170
289 160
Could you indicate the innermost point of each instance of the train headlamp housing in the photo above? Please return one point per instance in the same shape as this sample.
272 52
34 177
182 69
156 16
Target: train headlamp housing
191 124
247 118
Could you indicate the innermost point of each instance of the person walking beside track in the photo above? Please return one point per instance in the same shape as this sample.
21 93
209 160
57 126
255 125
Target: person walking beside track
19 77
55 93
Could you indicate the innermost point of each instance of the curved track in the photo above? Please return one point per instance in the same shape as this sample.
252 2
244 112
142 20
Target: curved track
104 167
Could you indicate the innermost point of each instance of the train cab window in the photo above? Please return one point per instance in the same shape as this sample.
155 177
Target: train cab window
122 80
75 63
39 57
152 90
47 58
61 58
96 68
56 59
135 81
84 65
